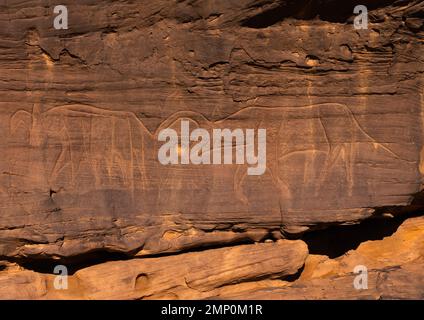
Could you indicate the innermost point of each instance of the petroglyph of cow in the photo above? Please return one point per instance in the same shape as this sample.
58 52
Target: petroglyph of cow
84 139
330 136
116 149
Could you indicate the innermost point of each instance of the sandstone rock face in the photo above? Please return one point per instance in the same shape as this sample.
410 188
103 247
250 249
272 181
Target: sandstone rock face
256 271
394 271
81 110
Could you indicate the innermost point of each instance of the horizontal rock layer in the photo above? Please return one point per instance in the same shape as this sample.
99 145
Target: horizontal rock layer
280 270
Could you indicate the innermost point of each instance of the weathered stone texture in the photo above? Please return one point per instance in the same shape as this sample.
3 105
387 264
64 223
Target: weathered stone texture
80 112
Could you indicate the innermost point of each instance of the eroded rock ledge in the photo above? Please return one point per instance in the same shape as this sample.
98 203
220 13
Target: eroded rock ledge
279 270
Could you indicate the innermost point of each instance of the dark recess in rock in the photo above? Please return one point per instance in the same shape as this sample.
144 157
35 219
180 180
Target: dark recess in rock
326 10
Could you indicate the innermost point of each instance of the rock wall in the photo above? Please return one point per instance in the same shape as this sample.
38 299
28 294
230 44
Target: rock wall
81 110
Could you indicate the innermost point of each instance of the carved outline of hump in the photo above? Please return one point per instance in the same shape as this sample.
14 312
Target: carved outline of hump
92 110
15 117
